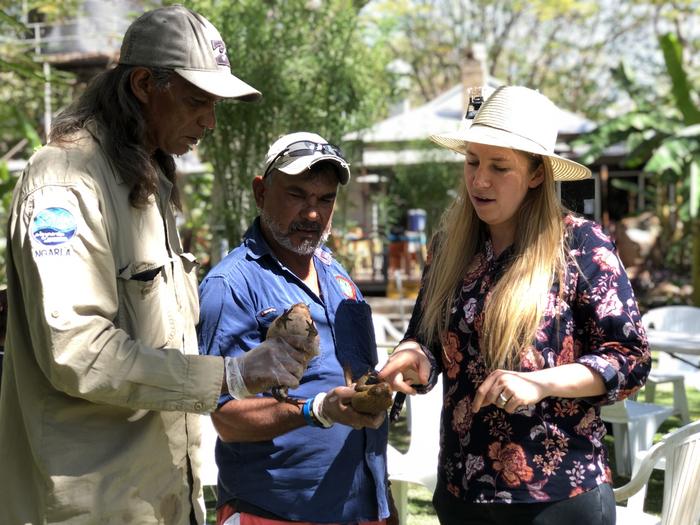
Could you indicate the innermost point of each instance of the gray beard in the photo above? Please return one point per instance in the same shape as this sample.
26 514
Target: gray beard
280 236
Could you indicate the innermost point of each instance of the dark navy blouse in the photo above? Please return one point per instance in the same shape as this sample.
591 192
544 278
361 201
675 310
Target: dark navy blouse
552 450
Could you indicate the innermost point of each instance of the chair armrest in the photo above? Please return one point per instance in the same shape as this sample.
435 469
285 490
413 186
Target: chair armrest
641 477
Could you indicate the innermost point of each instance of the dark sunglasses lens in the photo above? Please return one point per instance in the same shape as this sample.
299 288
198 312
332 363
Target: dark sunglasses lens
301 149
330 149
300 152
304 148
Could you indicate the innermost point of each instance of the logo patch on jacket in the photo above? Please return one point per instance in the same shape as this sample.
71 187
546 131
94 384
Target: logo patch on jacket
52 227
346 287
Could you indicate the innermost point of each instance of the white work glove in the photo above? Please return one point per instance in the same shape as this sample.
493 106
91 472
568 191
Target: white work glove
274 363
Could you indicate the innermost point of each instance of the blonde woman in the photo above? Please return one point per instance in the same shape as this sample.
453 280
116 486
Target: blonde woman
527 312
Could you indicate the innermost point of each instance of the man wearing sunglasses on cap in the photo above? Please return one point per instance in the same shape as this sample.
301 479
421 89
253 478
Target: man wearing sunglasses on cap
316 460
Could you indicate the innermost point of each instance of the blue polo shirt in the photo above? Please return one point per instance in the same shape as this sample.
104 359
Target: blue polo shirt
309 474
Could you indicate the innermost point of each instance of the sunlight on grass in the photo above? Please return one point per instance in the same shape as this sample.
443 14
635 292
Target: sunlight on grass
420 506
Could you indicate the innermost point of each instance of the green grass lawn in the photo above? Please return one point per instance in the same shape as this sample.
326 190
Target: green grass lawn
420 507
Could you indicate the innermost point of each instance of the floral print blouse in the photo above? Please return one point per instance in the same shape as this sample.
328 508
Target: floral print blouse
552 450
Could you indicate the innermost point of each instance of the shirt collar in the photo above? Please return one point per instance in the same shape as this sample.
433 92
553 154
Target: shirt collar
255 243
504 257
99 134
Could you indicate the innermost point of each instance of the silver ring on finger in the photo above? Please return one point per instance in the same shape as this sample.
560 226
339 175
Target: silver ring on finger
502 400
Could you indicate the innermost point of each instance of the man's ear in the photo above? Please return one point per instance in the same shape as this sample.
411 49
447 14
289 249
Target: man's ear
537 177
259 191
141 82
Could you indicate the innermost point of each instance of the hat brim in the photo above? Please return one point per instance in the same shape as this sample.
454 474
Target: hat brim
300 164
562 169
221 84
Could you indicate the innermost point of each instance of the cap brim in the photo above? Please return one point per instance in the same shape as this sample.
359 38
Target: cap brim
562 169
300 164
221 84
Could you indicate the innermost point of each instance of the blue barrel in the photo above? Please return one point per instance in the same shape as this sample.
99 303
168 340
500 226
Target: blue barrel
416 220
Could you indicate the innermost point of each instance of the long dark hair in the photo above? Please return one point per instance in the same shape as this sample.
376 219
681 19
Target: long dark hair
109 101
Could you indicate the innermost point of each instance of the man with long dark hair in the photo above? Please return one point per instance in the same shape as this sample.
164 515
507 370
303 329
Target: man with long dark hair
103 382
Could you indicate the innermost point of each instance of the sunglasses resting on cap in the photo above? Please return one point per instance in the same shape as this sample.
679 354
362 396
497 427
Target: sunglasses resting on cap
300 155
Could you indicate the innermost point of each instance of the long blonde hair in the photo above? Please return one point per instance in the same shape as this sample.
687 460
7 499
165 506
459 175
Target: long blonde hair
515 305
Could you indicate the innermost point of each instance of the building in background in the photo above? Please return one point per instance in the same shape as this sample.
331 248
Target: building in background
383 255
401 142
83 46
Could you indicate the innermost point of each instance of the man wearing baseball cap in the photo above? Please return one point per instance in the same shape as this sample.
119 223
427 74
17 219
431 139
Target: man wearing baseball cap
102 384
313 459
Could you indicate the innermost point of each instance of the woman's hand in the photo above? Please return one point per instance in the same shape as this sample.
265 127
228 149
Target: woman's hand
508 390
527 388
407 366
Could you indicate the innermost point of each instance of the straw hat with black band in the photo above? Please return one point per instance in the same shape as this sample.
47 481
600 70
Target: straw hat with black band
519 118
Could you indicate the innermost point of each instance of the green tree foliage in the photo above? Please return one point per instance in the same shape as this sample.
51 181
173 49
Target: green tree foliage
22 77
662 133
431 187
320 67
22 92
564 48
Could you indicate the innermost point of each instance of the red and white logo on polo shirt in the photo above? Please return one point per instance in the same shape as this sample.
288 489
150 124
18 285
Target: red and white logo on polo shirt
346 287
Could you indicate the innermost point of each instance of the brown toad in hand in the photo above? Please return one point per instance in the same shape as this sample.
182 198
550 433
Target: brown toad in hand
297 328
372 395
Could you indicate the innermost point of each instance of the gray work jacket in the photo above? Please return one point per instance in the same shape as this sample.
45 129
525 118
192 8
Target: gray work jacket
102 380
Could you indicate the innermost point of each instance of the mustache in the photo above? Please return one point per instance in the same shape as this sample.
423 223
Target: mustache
305 225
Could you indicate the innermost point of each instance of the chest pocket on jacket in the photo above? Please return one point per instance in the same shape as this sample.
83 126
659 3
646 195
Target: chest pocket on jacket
354 333
146 304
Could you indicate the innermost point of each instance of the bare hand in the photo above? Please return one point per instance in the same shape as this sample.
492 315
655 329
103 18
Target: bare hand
407 366
508 390
336 406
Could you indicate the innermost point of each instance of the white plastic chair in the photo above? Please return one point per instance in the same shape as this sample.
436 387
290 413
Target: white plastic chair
209 472
419 463
634 425
670 319
681 505
386 335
